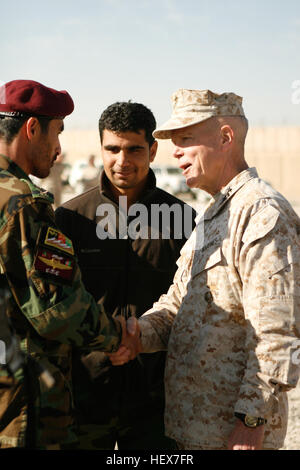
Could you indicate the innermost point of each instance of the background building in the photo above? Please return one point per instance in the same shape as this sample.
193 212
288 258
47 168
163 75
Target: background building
275 151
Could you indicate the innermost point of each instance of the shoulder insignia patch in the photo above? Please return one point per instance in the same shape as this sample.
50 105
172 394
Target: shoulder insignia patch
54 265
54 256
56 239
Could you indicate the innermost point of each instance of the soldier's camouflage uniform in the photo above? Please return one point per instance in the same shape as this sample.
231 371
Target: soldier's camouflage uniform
234 308
51 312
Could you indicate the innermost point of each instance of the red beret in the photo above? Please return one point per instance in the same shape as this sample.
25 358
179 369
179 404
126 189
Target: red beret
28 98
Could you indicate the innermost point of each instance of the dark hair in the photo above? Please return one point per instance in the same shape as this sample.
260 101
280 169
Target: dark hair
10 126
128 116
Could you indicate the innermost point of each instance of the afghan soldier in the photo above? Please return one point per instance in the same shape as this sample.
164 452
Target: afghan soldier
230 321
50 309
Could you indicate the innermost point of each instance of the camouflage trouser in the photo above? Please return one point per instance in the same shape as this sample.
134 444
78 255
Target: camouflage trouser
145 433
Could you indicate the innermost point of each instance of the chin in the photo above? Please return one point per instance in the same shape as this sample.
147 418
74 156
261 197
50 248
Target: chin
191 182
41 174
124 184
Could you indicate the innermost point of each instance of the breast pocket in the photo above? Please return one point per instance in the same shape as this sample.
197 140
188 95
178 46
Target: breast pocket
210 279
204 261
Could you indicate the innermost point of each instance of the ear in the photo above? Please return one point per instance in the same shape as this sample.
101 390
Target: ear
227 136
32 127
153 150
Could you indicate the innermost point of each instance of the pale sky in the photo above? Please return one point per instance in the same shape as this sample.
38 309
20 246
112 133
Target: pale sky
102 51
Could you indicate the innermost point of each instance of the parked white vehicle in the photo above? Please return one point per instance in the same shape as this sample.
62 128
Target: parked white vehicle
170 179
80 175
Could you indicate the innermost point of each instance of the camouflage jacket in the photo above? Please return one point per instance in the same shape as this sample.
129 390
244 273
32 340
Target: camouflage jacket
51 311
231 318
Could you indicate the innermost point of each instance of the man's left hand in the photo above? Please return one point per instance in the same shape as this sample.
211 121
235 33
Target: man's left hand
244 438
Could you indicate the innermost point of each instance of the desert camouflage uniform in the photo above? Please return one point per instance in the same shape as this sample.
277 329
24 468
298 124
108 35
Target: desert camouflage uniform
234 308
51 312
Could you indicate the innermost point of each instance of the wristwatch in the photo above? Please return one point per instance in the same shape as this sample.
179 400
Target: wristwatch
250 421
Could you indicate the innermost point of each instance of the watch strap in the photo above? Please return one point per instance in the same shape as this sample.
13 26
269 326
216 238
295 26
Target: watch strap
250 421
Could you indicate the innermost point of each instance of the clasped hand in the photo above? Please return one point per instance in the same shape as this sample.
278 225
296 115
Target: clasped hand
130 345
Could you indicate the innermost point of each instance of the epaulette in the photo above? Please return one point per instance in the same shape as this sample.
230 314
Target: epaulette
16 193
37 192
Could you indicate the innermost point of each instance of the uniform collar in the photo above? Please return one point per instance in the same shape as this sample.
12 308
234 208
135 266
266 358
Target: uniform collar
226 193
11 167
8 165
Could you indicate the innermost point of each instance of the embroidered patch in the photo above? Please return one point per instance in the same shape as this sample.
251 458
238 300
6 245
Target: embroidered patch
53 264
58 240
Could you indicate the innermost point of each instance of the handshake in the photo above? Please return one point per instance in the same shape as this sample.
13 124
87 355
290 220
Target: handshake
130 345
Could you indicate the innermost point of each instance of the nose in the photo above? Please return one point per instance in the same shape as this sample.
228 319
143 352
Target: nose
122 159
177 152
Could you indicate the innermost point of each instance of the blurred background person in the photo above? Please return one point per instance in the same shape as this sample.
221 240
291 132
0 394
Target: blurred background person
84 175
56 180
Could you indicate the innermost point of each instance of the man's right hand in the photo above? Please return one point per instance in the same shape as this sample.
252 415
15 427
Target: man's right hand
130 345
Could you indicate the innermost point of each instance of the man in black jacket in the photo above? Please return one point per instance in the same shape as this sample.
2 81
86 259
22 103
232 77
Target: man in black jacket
127 234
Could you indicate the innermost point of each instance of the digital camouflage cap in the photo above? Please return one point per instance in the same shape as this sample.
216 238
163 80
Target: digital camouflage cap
194 106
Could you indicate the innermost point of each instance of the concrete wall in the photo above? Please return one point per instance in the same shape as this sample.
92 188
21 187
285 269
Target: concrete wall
275 151
276 154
